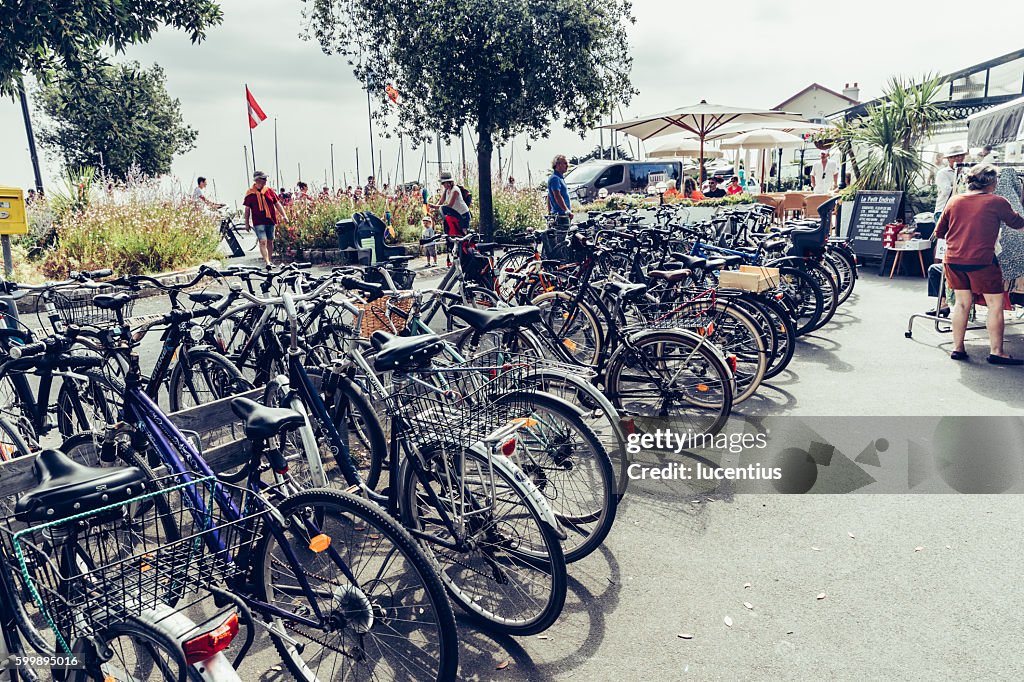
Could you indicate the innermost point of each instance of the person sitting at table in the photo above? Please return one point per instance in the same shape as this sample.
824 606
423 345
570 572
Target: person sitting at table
734 186
714 191
970 226
690 190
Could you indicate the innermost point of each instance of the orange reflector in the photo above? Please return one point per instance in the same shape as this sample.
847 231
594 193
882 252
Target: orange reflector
319 543
703 388
570 344
525 422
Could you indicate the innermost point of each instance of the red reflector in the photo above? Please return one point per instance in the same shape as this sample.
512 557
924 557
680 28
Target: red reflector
629 426
508 448
213 642
732 363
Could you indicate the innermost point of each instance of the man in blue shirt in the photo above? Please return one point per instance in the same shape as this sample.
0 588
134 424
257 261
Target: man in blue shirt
558 193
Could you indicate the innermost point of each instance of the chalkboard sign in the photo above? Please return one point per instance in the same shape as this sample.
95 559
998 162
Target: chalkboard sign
872 211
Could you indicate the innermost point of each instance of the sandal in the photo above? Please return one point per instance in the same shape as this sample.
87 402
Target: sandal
962 355
1000 360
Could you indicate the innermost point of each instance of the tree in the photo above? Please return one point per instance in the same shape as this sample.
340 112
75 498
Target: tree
503 68
121 112
610 153
46 37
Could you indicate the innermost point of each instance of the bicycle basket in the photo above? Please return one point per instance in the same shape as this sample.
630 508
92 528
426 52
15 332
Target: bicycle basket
670 315
78 308
537 363
379 315
460 405
125 559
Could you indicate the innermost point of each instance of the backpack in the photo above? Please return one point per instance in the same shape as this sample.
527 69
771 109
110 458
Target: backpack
467 196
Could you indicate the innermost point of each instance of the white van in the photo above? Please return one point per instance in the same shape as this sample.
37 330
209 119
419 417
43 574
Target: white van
623 177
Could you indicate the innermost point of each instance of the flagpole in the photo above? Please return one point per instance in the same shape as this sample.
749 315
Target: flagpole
245 155
369 121
357 167
333 184
401 155
277 165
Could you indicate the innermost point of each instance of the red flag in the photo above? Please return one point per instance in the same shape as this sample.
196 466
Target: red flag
255 113
392 93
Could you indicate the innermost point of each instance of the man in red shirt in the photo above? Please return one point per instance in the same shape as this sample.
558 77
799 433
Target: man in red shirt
263 210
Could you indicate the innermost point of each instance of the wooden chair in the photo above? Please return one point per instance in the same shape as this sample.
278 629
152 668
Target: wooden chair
813 201
771 201
792 204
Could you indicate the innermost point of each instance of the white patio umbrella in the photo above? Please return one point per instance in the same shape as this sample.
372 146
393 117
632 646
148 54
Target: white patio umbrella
702 120
688 146
763 139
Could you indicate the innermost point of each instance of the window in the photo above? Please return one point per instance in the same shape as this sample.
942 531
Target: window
639 172
611 176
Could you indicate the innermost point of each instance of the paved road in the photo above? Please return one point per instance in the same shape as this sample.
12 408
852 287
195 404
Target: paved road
917 587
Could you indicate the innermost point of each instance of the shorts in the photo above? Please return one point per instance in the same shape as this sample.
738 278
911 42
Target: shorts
987 280
264 232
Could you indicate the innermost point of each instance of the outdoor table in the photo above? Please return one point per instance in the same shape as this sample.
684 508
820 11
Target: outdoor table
918 245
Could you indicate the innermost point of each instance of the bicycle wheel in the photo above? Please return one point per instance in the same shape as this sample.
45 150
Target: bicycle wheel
829 292
736 334
782 323
12 445
90 405
513 261
507 569
671 374
845 270
202 376
386 616
140 652
572 324
567 463
804 295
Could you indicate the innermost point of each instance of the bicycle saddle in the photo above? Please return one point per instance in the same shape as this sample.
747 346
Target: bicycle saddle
496 318
399 260
205 297
67 488
670 275
733 260
262 422
627 291
111 301
404 352
692 262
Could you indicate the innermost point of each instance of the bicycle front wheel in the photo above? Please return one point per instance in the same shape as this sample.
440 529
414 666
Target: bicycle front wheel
202 376
506 567
385 613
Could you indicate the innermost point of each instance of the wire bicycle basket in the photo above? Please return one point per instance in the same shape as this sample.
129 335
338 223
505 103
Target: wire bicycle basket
694 314
78 307
125 561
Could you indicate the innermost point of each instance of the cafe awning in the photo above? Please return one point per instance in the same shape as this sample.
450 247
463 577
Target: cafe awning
998 125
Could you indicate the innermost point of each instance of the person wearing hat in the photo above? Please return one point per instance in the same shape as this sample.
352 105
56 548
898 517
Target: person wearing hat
453 207
946 178
263 210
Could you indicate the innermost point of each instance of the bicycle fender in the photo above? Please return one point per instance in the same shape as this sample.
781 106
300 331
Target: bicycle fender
533 493
786 261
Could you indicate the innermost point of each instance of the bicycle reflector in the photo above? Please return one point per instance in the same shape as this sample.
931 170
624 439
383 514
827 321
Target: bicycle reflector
508 448
732 363
319 543
211 643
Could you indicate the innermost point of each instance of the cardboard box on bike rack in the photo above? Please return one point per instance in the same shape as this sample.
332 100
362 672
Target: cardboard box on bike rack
771 275
748 281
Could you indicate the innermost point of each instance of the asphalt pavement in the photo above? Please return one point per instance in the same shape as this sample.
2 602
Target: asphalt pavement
700 582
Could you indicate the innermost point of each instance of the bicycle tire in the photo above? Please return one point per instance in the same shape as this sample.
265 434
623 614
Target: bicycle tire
102 398
805 296
145 667
542 555
555 465
704 403
829 292
585 340
847 270
783 324
359 516
221 377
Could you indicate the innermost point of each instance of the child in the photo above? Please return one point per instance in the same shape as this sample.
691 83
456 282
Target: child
430 250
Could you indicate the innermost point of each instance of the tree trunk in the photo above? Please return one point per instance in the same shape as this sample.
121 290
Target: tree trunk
485 205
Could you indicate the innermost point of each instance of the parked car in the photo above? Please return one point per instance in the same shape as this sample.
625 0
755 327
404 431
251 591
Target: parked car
623 177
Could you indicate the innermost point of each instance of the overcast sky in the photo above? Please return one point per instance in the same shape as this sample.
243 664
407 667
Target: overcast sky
738 52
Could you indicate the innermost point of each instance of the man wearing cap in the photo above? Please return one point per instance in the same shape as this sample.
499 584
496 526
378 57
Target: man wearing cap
263 210
946 178
453 207
824 174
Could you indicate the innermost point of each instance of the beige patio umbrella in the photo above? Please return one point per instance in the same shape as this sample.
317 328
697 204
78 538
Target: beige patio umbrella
763 139
688 146
702 120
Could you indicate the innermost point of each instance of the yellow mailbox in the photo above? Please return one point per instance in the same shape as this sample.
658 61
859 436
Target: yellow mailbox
12 211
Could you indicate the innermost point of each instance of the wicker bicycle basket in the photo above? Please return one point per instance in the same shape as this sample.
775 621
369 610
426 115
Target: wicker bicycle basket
127 561
379 315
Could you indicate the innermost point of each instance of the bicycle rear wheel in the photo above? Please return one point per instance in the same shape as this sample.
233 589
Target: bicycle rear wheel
508 569
671 374
141 652
386 616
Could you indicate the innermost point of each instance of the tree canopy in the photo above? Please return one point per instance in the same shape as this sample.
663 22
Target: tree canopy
45 37
122 112
502 68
